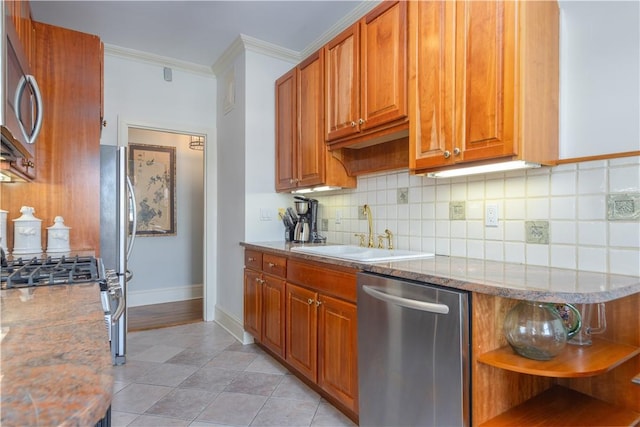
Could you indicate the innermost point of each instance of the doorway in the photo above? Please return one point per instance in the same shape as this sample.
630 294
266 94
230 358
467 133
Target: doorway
167 287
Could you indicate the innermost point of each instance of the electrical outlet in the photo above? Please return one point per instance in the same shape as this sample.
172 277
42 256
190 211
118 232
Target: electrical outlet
361 214
457 210
324 224
338 217
537 232
491 215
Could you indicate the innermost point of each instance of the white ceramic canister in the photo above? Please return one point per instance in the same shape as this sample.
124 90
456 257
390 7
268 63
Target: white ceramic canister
58 236
27 233
3 230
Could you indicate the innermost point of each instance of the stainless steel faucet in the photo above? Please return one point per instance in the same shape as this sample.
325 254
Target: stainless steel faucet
369 215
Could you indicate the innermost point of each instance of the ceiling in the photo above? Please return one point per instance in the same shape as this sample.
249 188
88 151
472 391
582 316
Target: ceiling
197 32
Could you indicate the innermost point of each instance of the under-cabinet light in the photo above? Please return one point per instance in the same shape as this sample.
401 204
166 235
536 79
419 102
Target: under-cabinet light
316 189
494 167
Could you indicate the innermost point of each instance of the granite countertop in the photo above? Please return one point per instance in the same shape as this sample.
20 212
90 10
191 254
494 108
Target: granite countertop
55 357
518 281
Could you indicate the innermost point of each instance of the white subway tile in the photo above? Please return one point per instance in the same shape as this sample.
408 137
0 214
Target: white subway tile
415 211
514 252
538 185
475 210
592 259
592 165
495 233
514 209
458 229
592 233
428 245
494 188
428 210
515 187
563 208
563 256
415 227
459 247
624 179
537 254
494 250
403 212
392 181
428 193
632 160
475 230
442 247
625 262
514 231
475 249
475 190
443 192
624 234
403 179
442 210
592 181
538 208
415 195
428 229
442 229
459 191
563 184
562 232
592 207
403 228
564 167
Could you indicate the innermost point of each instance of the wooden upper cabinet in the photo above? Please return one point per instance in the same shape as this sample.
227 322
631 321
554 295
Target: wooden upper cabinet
483 82
302 158
286 128
366 76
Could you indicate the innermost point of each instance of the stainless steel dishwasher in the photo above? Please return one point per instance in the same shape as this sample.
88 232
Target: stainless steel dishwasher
413 353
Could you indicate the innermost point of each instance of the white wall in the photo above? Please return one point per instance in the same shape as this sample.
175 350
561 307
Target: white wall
136 94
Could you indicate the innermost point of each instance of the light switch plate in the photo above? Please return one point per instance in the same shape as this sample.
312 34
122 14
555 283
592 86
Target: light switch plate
623 207
537 232
457 210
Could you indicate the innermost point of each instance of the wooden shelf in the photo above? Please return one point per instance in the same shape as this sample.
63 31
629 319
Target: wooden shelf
574 361
561 406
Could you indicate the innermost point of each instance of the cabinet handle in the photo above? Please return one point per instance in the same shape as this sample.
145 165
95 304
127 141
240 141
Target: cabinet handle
353 124
456 151
251 259
310 301
271 265
361 121
318 303
447 154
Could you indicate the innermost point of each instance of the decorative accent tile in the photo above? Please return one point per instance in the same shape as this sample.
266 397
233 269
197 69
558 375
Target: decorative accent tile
403 196
623 207
537 232
457 210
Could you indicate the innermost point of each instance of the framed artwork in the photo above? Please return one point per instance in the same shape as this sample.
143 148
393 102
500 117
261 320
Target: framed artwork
152 169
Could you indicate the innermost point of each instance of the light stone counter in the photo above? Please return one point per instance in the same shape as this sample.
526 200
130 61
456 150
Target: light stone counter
517 281
55 361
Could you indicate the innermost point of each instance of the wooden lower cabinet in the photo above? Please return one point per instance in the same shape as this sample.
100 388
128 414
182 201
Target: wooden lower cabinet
302 330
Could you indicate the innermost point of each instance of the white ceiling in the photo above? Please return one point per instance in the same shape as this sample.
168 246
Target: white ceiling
197 32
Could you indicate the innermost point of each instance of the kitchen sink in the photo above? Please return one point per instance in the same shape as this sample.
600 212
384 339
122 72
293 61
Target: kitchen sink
358 253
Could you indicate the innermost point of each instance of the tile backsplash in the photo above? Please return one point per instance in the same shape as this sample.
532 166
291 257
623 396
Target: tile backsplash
559 216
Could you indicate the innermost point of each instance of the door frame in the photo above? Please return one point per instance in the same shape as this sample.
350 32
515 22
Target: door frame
210 256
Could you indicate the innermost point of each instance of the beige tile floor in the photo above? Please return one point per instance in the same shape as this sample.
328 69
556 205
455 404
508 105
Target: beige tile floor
198 375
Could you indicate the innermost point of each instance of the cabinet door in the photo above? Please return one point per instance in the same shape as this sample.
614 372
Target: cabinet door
302 335
337 346
311 146
253 303
485 67
342 72
273 301
431 83
383 77
286 131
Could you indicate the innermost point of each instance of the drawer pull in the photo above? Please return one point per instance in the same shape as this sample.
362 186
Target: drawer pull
271 265
251 259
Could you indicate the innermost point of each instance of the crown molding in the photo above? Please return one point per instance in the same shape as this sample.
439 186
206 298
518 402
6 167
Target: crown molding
151 58
246 43
346 21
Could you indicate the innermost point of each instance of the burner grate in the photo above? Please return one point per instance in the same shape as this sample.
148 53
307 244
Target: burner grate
46 271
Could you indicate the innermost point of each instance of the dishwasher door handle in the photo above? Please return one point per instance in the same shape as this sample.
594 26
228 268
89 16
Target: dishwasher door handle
406 302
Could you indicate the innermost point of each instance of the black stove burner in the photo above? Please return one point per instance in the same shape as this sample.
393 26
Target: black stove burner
21 272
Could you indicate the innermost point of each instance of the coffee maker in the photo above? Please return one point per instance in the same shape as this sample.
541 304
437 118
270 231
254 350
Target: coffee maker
306 229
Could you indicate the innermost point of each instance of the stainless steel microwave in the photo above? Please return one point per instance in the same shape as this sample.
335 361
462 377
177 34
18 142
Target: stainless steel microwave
20 98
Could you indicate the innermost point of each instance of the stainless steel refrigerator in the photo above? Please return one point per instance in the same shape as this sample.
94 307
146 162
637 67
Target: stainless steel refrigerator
117 222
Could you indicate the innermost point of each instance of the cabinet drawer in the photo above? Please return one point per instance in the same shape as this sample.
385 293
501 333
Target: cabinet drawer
253 259
275 265
331 280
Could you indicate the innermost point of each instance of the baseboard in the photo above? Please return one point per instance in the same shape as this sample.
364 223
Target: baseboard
232 325
159 296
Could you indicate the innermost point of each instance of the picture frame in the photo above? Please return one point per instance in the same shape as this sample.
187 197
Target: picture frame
152 169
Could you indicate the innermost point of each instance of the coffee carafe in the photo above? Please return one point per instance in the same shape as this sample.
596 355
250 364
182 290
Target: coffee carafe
302 231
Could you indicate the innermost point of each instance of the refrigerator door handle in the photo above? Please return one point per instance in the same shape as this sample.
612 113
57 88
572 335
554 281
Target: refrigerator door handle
134 211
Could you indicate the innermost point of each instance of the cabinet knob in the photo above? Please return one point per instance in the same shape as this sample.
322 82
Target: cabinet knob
361 121
271 265
447 154
310 301
456 151
251 259
353 124
318 303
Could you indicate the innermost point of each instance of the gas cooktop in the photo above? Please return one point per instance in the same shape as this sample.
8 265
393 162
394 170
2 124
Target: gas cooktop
49 270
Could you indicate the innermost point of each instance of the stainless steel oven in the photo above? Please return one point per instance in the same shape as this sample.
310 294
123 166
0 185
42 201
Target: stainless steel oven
20 98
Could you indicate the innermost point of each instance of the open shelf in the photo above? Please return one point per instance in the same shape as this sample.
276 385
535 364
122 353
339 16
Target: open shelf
574 361
561 406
